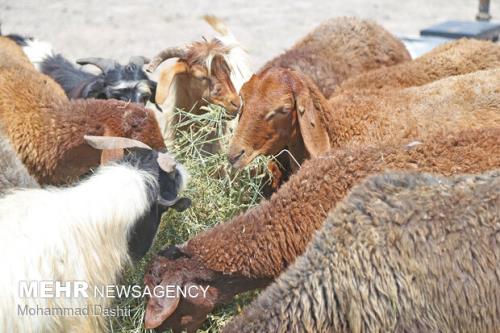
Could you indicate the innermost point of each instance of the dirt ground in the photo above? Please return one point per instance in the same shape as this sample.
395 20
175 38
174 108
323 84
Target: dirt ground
121 28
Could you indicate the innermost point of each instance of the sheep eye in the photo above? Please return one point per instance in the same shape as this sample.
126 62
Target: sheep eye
284 110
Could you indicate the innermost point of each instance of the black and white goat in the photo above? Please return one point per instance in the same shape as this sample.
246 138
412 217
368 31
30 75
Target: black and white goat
87 232
123 82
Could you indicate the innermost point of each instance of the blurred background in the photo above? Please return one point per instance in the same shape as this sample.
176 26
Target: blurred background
120 28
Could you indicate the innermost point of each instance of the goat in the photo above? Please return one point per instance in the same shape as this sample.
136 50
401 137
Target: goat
126 83
87 232
204 72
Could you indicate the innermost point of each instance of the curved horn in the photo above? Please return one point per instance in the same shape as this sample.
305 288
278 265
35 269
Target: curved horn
103 64
113 142
171 52
139 61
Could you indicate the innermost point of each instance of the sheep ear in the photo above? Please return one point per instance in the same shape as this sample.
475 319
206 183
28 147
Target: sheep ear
159 309
311 125
165 81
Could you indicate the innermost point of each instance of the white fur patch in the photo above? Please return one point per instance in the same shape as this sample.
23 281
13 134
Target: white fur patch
236 59
141 85
185 177
413 144
37 51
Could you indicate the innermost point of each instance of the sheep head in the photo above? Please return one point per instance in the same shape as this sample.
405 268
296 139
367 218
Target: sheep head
103 118
280 108
131 120
207 71
173 267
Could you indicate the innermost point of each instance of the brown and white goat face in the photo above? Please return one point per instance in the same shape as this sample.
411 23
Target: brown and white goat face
201 84
268 120
220 89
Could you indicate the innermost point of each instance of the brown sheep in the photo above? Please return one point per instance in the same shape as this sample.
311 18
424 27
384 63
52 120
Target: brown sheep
334 51
47 129
255 247
402 253
12 55
298 117
455 58
340 48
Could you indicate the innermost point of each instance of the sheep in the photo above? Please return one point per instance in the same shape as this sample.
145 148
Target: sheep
403 252
252 249
12 55
340 48
13 173
208 71
49 139
47 129
454 58
300 119
126 83
107 220
334 51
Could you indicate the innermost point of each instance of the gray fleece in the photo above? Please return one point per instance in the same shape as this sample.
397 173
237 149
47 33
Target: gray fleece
403 253
13 173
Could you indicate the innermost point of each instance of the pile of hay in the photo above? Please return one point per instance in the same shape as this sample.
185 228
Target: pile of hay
218 193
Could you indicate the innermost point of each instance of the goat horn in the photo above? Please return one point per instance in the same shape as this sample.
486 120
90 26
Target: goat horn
171 52
113 142
166 162
103 64
139 61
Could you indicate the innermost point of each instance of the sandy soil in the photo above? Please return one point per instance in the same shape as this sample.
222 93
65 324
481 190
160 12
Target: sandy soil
121 28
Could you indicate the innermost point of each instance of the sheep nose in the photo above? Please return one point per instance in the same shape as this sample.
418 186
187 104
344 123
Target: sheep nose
233 158
235 103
